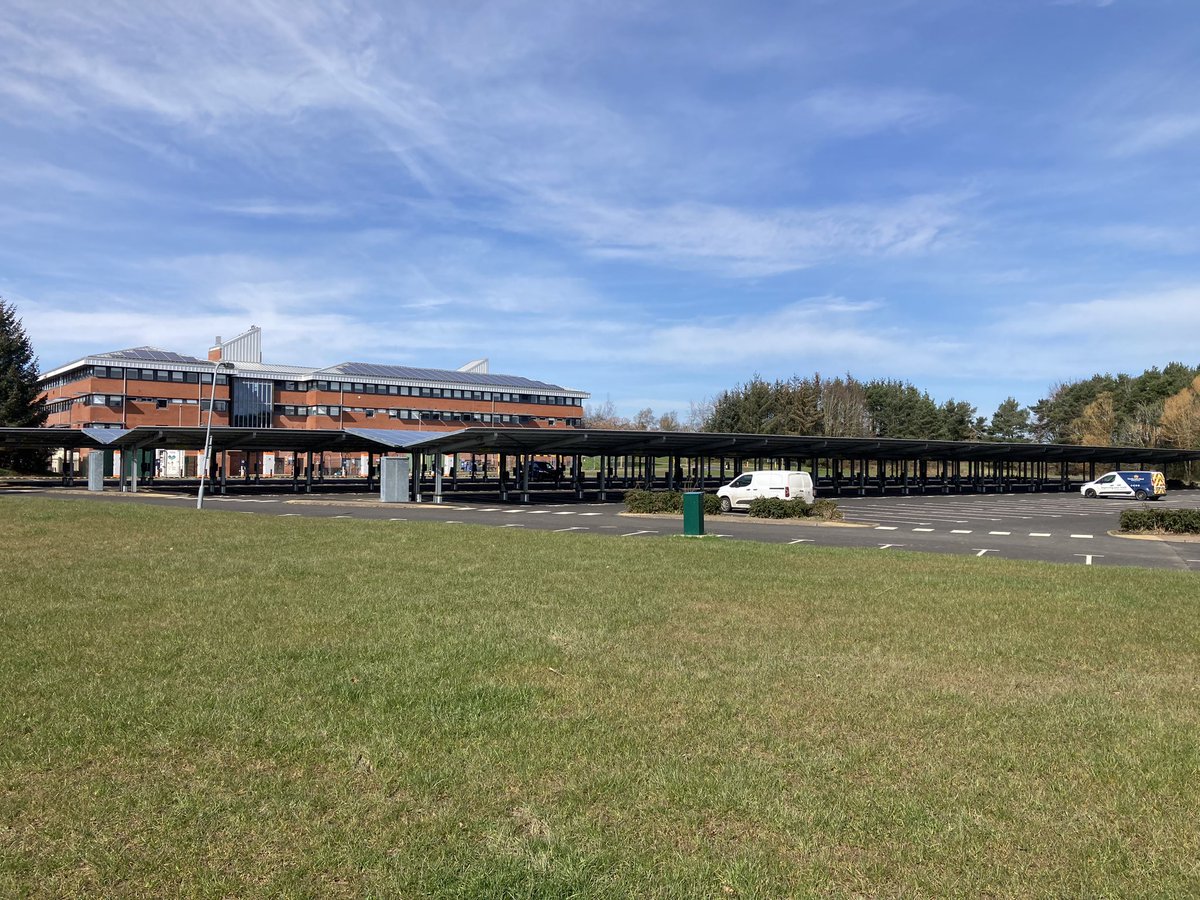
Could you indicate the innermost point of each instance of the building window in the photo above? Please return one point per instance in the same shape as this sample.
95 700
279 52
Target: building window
191 377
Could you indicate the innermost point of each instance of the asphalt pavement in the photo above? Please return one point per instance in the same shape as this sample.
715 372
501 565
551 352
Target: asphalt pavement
1060 528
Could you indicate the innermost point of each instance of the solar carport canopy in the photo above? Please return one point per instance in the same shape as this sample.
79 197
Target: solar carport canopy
581 441
592 442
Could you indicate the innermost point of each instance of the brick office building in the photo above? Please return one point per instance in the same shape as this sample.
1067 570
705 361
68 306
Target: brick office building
149 386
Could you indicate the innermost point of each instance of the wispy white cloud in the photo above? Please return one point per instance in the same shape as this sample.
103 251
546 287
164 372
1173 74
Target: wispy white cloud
1147 135
857 112
751 242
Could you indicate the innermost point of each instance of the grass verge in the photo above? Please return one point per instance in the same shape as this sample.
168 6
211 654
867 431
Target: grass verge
224 704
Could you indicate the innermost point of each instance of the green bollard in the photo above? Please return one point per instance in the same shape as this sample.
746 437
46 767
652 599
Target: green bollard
693 513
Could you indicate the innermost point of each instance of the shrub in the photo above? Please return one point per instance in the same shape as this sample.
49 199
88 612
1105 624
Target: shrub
775 508
666 502
825 509
1168 521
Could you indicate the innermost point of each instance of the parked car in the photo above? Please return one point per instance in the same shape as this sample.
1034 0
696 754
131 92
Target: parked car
1139 485
749 486
540 470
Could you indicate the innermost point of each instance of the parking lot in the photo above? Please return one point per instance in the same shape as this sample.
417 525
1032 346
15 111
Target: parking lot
1061 528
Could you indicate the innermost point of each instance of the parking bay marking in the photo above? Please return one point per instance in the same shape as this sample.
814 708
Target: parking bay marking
572 528
810 541
922 529
1088 557
960 531
982 552
1086 536
636 533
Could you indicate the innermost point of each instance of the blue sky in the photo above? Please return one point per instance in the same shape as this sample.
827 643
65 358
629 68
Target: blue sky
648 201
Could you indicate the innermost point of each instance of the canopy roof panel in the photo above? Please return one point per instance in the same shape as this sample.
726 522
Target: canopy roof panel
583 441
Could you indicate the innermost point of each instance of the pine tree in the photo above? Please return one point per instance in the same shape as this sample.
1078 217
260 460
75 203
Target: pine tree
19 403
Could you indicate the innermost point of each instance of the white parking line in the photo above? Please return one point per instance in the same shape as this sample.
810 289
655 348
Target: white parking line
397 520
1039 534
452 522
982 552
285 515
960 530
885 527
343 517
1088 557
922 529
810 541
591 514
888 546
1081 535
636 533
1000 532
569 513
538 512
512 525
572 528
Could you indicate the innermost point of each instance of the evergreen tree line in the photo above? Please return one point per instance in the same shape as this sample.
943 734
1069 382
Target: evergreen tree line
19 403
1159 408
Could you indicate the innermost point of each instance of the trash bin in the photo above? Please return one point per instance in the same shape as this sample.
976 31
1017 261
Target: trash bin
693 513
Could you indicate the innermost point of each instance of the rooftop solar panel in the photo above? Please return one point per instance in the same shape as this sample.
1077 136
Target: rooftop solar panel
150 354
372 370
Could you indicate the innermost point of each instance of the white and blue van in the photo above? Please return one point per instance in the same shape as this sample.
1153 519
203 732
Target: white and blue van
1139 485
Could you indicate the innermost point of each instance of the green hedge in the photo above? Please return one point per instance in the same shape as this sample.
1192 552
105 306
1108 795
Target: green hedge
1170 521
774 508
666 502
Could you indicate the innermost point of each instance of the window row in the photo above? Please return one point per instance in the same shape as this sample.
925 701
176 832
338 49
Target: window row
346 387
403 390
169 375
418 415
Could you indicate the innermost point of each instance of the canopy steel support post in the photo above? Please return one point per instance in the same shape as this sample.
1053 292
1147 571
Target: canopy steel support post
295 472
224 469
504 476
600 493
134 462
308 473
415 468
526 464
437 478
577 475
453 472
370 471
1091 471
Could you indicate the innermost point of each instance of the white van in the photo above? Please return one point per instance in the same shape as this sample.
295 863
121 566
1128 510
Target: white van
752 485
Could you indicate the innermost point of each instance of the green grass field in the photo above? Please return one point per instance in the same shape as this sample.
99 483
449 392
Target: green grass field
231 705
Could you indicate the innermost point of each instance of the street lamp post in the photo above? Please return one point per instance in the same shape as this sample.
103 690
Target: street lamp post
212 397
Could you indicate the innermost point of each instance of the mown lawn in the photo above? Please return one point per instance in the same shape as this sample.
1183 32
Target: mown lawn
231 705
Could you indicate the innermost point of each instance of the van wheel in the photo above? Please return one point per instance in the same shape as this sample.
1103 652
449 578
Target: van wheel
1090 494
726 506
1140 495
